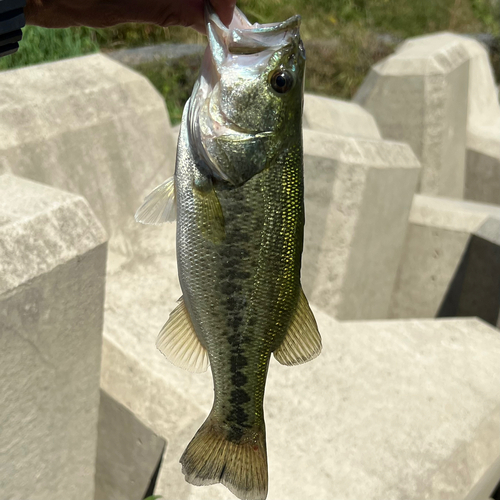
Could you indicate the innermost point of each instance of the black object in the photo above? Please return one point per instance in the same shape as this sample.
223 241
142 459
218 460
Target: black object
11 22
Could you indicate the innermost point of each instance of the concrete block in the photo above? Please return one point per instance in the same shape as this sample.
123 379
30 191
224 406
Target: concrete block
391 409
128 454
475 286
338 117
419 95
52 275
90 126
358 196
449 264
482 180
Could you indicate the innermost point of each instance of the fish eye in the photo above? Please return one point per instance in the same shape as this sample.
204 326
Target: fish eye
281 81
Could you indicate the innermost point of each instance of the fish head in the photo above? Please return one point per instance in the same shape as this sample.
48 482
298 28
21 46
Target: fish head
247 104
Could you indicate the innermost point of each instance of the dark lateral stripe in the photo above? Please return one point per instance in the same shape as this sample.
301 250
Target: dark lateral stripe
239 397
239 379
238 361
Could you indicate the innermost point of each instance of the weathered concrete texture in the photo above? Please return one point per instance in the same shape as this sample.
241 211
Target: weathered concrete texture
338 117
128 453
52 275
449 265
402 410
358 197
419 95
90 126
482 180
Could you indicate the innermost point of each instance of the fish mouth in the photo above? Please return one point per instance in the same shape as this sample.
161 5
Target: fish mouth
207 122
239 38
242 37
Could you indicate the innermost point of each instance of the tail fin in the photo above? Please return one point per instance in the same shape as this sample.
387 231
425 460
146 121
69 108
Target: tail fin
241 467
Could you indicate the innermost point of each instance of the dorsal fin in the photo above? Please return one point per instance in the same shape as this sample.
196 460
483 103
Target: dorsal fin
302 341
159 205
179 343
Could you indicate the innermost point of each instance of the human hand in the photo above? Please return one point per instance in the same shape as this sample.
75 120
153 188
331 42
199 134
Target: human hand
105 13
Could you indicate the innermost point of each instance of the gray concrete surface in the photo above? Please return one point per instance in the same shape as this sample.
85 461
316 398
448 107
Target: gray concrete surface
475 287
90 126
432 269
358 196
402 410
482 180
52 274
419 95
394 424
128 453
338 117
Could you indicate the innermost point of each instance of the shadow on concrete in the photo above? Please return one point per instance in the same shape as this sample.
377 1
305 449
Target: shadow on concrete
129 454
152 484
475 288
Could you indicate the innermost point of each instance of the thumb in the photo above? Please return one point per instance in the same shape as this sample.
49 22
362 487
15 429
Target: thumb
224 9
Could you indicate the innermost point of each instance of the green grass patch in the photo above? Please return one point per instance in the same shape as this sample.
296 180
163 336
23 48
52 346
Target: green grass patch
174 81
340 38
42 45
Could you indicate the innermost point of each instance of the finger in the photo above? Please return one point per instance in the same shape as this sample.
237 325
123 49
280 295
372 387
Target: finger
224 9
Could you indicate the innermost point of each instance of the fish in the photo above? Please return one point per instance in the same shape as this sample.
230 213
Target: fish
238 197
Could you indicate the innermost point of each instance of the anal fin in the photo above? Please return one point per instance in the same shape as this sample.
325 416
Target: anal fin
302 341
179 343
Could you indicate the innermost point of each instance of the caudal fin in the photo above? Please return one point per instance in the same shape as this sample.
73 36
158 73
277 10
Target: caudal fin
211 458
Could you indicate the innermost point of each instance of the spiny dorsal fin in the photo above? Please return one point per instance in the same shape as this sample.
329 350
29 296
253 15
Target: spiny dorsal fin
159 205
179 343
303 341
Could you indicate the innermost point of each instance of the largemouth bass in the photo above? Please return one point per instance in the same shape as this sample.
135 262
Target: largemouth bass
238 197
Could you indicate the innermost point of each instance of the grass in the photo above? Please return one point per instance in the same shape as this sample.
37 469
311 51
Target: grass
340 35
174 82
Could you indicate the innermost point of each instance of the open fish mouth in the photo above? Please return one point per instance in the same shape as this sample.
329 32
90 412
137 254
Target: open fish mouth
242 37
236 55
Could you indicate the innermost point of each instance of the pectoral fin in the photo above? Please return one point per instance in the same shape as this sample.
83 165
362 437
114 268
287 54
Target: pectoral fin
159 205
209 216
179 343
303 341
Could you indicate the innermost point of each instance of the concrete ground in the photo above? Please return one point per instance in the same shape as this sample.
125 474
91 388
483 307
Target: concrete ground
391 409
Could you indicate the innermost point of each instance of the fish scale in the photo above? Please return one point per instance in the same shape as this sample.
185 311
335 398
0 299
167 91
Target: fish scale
258 261
238 196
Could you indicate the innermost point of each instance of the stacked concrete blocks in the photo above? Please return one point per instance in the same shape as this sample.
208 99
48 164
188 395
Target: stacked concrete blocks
475 288
450 263
52 275
423 442
338 117
419 95
358 194
128 454
90 126
482 180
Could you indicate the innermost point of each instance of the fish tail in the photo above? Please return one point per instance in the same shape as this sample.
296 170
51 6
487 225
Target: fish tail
211 457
